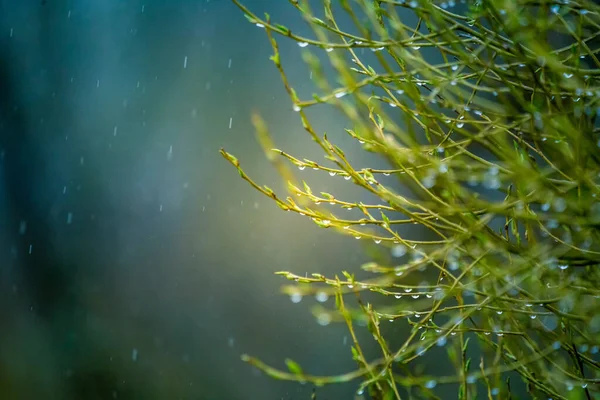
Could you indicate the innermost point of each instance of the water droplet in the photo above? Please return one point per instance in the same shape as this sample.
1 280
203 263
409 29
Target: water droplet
441 341
324 319
297 108
260 25
339 95
329 49
399 250
567 75
416 47
430 384
377 241
296 298
302 44
559 204
301 167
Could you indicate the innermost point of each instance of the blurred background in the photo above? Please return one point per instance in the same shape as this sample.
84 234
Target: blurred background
135 263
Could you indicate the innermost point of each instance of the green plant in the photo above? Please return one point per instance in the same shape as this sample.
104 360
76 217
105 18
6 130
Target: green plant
497 143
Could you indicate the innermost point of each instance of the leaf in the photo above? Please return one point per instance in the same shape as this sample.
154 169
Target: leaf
348 276
306 187
275 58
385 219
293 367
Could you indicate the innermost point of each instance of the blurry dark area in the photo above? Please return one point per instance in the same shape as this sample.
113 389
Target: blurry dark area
135 264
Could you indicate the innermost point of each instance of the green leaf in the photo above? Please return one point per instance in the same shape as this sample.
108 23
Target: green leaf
385 219
251 19
268 190
284 29
348 276
293 367
306 187
275 58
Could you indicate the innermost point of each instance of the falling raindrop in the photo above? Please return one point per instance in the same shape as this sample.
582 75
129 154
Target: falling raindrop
22 227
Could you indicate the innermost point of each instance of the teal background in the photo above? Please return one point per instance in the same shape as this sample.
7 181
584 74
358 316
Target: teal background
135 264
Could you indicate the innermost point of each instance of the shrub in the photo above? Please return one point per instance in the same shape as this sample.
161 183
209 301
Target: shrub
495 138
